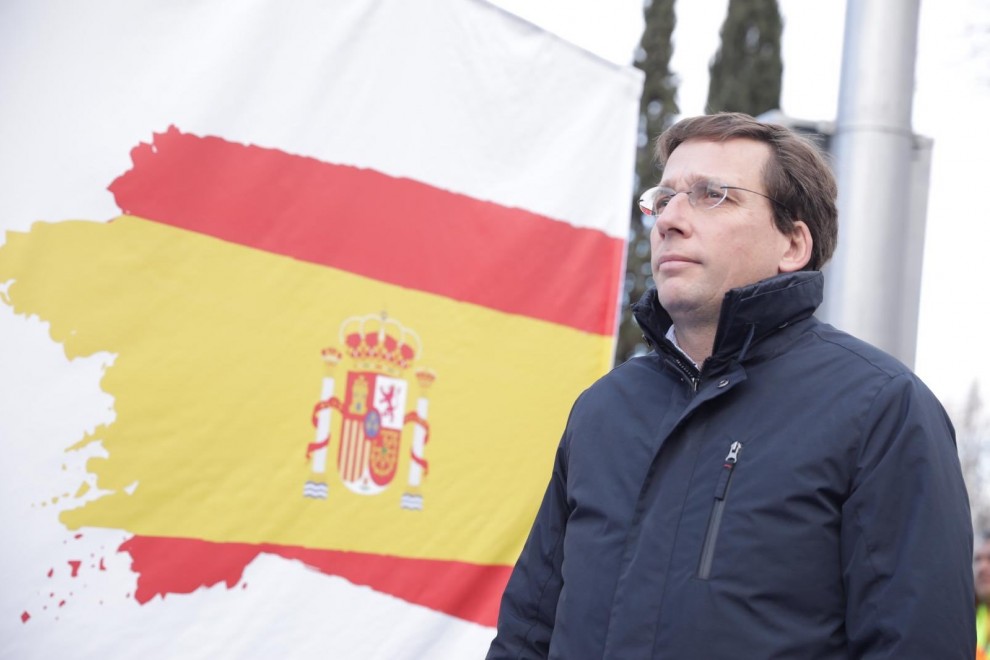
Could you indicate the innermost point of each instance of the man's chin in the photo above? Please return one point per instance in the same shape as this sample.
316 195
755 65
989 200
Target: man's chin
676 300
672 295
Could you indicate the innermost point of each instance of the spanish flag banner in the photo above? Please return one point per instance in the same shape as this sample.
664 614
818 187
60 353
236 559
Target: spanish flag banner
294 300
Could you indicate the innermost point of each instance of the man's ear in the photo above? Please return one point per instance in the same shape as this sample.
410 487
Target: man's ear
798 252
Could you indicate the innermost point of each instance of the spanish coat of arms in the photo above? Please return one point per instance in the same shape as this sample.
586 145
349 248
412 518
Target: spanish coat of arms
378 354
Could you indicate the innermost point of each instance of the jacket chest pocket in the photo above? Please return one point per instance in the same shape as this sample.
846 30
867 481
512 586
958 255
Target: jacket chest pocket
718 509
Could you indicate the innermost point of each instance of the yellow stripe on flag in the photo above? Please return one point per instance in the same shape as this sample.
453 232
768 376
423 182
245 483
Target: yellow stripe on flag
219 367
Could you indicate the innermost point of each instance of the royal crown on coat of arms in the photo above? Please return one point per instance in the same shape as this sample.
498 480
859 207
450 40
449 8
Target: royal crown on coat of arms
379 353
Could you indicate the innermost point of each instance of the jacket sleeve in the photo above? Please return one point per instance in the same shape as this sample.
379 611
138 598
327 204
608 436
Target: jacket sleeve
906 537
529 604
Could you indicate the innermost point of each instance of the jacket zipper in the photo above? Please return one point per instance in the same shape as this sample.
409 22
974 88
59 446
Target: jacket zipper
715 521
688 373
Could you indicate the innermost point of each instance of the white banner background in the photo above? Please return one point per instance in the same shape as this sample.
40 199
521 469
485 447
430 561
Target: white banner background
455 93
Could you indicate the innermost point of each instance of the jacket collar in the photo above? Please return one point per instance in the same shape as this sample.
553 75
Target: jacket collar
748 314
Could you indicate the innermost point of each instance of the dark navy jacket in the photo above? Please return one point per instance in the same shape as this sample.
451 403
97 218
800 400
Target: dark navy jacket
800 497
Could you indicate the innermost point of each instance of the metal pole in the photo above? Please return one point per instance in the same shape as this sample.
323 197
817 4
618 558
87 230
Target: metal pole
874 280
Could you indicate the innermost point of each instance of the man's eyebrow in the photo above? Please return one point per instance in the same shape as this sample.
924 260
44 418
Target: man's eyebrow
690 179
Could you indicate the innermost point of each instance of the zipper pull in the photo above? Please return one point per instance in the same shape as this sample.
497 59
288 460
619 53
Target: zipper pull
730 462
733 456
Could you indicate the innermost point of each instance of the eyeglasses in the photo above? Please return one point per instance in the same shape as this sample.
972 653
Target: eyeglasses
704 195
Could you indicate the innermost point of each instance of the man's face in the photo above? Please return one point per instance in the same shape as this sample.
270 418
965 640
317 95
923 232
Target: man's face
981 571
699 254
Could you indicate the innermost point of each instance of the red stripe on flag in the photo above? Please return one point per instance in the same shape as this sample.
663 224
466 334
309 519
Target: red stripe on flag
180 566
390 229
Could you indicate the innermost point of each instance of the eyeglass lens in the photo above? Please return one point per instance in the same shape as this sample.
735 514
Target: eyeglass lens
702 194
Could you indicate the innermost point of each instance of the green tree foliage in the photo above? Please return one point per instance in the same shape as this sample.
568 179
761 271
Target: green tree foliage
657 109
747 69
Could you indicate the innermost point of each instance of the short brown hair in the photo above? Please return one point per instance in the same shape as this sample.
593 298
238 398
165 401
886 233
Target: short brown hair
796 175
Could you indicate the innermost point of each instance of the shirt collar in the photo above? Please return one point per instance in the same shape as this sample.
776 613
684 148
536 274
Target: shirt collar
672 337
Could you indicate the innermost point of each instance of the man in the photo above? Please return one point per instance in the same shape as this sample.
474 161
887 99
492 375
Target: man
761 485
981 575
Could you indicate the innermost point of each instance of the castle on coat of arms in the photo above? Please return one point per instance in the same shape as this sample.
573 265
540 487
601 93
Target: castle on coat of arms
379 355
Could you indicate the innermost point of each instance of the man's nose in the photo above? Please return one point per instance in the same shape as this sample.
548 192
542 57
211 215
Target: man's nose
674 216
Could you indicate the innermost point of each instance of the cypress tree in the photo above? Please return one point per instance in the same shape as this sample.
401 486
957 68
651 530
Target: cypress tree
746 71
